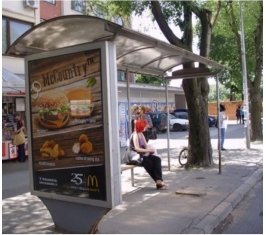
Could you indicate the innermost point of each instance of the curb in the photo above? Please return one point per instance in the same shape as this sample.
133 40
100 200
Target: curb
221 211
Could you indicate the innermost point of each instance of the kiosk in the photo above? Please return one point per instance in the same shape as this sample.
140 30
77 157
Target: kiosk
13 102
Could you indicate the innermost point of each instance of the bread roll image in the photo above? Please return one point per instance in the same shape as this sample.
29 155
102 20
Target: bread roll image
81 103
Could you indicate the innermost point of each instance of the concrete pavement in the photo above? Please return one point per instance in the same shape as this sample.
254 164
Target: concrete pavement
196 201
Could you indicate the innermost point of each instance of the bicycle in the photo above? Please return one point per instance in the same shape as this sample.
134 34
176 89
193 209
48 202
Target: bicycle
183 156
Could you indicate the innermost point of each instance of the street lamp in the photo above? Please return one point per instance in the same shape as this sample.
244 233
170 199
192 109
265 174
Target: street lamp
244 71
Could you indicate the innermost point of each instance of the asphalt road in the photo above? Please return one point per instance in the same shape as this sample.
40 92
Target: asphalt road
247 217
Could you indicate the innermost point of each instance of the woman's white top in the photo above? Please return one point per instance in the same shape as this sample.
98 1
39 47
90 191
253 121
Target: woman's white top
223 120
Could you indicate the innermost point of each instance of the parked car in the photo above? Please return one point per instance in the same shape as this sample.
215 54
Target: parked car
211 120
178 124
181 113
180 110
159 121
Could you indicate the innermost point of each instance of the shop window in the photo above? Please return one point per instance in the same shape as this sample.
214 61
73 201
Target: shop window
12 30
77 5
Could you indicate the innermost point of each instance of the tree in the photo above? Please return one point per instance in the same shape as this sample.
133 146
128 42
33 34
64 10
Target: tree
196 90
150 80
226 48
223 91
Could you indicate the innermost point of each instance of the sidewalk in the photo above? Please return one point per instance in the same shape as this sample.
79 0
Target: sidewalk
197 200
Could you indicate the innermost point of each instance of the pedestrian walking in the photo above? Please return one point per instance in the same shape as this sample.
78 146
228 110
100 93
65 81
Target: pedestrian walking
242 114
134 116
238 115
147 118
21 147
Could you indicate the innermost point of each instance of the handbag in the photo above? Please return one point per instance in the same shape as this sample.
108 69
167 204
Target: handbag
131 158
151 134
19 138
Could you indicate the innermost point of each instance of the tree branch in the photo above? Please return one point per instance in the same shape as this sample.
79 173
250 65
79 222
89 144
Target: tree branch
168 33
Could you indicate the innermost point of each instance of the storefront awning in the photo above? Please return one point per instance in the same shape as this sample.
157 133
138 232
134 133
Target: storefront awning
136 52
12 85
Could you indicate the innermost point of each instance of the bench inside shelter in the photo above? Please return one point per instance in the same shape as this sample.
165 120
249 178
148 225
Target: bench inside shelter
131 168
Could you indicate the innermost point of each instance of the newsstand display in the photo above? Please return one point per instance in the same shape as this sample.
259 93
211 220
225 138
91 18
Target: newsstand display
12 103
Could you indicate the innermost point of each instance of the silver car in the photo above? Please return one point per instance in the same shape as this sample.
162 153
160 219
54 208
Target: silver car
178 124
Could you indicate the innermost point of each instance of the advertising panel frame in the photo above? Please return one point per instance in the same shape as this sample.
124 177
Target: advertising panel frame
109 123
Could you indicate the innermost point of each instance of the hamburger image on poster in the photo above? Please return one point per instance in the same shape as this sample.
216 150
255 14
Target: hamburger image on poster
53 109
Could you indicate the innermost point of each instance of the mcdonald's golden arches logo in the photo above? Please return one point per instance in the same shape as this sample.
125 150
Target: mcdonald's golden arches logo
92 180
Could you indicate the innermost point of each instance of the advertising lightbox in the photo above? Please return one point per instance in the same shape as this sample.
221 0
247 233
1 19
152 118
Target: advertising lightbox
66 112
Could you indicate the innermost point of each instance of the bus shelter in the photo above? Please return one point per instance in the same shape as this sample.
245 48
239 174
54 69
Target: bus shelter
86 50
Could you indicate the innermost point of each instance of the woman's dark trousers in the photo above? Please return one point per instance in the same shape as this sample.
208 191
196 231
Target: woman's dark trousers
21 153
153 166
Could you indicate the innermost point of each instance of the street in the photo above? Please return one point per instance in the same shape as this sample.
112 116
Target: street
247 217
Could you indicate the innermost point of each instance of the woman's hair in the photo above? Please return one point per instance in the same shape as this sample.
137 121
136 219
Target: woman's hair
143 108
222 107
140 125
135 108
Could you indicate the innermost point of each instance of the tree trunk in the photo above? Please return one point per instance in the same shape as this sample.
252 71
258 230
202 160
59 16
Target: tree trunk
196 92
200 149
255 114
197 89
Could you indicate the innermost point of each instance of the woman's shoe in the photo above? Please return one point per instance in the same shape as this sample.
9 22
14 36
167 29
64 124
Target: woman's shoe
161 186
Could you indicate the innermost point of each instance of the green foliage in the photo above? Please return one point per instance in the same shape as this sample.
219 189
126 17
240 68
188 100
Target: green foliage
108 10
226 46
150 80
224 93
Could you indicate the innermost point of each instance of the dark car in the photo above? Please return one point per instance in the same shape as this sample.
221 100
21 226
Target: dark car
212 121
159 121
180 113
180 110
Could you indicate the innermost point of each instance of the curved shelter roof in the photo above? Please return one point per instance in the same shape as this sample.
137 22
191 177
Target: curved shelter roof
136 52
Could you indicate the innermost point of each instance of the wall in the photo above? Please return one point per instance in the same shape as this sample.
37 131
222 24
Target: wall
180 101
230 106
49 10
16 10
144 93
66 9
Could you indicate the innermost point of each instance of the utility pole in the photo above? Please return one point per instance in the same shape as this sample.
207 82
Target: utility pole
244 71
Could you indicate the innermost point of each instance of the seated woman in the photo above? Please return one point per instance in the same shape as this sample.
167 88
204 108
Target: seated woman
151 163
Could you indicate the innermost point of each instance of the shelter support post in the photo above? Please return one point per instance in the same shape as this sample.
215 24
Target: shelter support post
218 123
128 104
168 127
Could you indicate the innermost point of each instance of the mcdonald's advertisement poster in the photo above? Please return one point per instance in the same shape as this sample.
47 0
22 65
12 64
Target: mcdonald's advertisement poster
66 119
